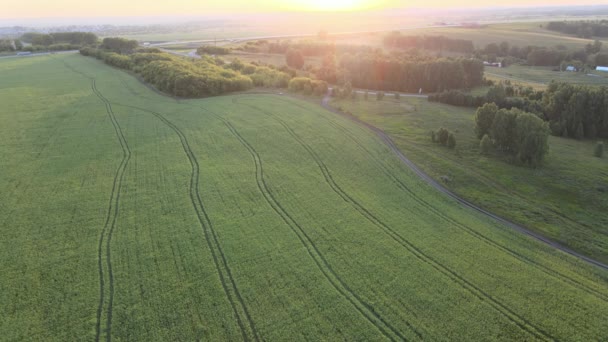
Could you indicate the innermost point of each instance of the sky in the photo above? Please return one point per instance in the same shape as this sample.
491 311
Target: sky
94 8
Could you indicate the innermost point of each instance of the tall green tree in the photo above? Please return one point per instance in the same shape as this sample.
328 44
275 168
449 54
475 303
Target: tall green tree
484 116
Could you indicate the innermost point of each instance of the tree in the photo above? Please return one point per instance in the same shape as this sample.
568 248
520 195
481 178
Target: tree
433 136
451 140
532 135
442 136
294 58
379 95
18 44
397 96
365 96
484 116
599 149
485 145
503 130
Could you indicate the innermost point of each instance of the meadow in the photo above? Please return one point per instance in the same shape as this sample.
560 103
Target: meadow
543 75
129 215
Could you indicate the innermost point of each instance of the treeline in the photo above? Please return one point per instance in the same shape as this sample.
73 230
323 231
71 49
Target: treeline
518 134
306 47
504 95
576 111
212 50
380 72
437 43
72 38
537 55
582 29
10 45
186 77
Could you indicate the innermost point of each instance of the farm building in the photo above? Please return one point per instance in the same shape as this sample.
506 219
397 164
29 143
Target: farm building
601 68
571 68
492 64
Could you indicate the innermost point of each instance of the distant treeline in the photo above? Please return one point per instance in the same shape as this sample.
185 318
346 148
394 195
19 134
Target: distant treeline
380 72
305 47
537 55
583 29
186 77
58 41
212 50
437 43
72 38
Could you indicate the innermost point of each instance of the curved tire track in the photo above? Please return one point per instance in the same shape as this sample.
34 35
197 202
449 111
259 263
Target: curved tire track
113 214
226 278
521 322
362 307
426 178
551 272
111 217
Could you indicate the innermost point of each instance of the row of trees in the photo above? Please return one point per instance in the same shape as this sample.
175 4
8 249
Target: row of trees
308 86
306 47
376 71
436 43
186 77
10 45
538 55
576 111
504 95
72 38
212 50
583 29
518 134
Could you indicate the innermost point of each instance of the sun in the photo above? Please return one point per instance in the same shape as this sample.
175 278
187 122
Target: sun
334 5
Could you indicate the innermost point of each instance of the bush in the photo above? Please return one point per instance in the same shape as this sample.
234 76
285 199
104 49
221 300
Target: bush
433 137
379 95
451 140
485 145
397 96
599 149
442 136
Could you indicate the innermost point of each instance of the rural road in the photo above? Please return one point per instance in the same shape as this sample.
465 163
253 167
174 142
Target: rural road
389 142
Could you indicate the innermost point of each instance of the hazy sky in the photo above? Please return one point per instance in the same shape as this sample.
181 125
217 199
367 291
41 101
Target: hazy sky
95 8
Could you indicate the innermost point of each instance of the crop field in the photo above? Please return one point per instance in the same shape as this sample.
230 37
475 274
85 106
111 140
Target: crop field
520 34
565 199
544 75
128 215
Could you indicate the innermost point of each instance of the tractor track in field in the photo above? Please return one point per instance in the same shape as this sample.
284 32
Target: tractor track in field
338 284
430 181
553 273
111 217
211 237
521 322
113 214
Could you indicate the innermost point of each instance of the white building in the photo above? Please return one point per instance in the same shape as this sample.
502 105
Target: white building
601 68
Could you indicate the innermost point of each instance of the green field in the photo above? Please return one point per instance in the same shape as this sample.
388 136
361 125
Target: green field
128 215
544 75
519 33
565 199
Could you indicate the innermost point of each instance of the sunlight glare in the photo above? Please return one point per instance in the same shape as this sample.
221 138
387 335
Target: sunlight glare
333 5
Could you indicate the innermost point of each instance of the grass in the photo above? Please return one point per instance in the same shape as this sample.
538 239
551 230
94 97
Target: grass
544 75
253 216
564 199
520 34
